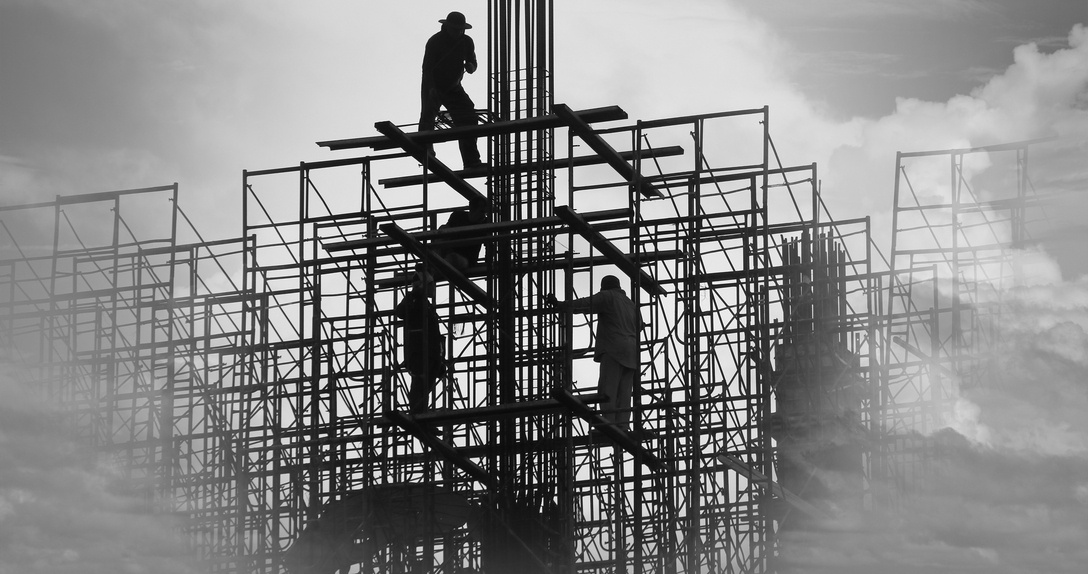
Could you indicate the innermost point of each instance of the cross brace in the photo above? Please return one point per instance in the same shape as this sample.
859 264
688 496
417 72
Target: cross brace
449 272
579 225
421 154
606 151
621 438
428 438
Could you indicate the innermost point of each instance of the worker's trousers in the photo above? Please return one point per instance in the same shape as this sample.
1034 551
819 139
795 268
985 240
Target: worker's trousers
618 382
462 112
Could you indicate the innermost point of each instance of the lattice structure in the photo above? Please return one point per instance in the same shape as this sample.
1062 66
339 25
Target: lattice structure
953 254
133 333
290 443
718 260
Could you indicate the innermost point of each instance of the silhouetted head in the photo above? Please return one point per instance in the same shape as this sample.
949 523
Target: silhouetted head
477 210
609 282
423 281
455 23
458 217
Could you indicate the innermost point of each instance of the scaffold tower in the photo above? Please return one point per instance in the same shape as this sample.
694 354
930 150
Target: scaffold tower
954 249
514 464
260 387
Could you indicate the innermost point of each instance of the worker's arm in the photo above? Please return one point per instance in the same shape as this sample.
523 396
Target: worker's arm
470 56
584 305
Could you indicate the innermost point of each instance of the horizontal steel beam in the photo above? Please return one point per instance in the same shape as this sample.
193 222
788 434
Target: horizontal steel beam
580 161
605 114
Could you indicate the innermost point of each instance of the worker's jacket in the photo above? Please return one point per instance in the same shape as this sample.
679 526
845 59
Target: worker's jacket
423 342
618 323
444 60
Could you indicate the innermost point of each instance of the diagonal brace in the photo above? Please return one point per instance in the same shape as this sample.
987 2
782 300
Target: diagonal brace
579 225
621 438
420 153
448 452
606 151
757 477
449 272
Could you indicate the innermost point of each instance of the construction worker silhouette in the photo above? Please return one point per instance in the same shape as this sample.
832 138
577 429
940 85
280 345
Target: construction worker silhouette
466 252
448 55
424 346
616 347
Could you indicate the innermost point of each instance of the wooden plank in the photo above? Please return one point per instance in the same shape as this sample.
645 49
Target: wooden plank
504 411
580 161
428 438
494 227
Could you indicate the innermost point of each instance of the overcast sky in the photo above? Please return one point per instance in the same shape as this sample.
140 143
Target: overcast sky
100 95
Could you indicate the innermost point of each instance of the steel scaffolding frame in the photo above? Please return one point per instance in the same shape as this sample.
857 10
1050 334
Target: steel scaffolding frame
133 334
952 263
287 394
710 270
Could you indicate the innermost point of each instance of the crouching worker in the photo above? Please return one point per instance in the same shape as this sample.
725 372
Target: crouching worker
424 345
466 253
616 347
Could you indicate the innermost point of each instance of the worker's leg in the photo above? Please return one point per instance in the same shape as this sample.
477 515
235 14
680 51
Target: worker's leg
624 389
428 111
424 383
418 392
609 383
428 108
463 113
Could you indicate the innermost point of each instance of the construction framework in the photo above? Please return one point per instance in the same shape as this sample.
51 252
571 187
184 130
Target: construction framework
729 264
116 309
719 279
258 386
954 249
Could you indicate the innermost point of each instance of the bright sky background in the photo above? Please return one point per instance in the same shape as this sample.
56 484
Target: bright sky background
99 95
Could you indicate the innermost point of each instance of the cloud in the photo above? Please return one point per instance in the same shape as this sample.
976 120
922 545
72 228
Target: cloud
62 509
1005 486
1040 95
866 9
1006 492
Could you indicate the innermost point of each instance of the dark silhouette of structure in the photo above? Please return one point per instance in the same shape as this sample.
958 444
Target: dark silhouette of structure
265 413
448 55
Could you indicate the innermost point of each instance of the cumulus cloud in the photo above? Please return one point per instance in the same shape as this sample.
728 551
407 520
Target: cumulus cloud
1005 484
1008 493
62 509
721 57
1042 95
1005 488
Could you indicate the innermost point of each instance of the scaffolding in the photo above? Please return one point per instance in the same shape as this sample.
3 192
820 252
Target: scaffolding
116 309
258 386
784 382
954 249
